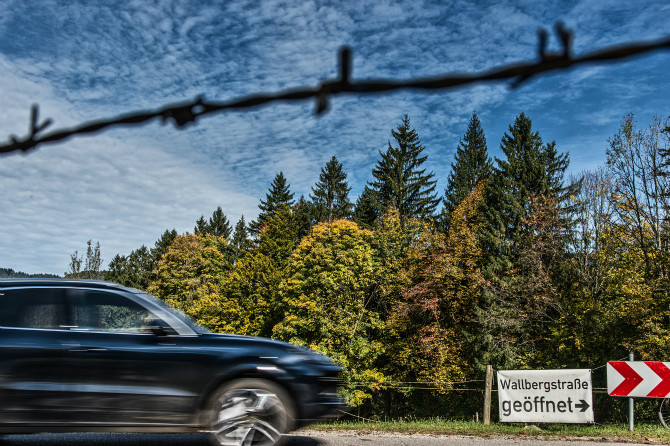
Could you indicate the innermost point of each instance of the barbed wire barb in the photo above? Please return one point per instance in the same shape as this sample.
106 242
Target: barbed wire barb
185 113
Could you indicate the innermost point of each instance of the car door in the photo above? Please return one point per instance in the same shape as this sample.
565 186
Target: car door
119 370
33 324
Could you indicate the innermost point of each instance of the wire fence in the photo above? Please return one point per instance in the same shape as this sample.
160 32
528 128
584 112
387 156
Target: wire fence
465 399
182 114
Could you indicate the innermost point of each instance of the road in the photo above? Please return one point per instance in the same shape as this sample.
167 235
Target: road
301 438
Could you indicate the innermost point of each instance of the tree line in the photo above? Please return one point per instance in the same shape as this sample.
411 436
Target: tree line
516 265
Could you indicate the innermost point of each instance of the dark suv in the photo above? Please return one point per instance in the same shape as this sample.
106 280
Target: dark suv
93 356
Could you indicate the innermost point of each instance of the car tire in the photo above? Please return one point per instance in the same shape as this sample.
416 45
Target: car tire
250 412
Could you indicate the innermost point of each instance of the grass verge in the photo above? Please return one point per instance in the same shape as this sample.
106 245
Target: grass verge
643 433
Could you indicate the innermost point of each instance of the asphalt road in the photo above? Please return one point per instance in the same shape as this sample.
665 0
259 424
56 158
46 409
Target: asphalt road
301 438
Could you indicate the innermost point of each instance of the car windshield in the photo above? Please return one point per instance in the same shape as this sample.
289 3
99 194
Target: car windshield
185 318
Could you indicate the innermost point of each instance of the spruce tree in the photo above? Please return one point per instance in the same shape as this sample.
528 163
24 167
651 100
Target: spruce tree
218 224
523 205
331 193
278 196
304 216
366 211
471 165
530 169
163 244
201 226
240 241
400 182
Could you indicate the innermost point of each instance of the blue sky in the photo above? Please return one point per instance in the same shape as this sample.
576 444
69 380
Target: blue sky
82 60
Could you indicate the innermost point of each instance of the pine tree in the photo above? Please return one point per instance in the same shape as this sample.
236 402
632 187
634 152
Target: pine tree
471 165
400 182
279 195
331 193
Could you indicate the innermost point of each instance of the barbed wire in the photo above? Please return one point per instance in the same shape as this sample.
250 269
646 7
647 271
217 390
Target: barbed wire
184 113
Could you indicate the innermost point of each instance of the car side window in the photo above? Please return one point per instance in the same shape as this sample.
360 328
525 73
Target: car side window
41 308
110 312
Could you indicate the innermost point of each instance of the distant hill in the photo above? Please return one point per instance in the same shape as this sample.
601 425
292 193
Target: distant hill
8 273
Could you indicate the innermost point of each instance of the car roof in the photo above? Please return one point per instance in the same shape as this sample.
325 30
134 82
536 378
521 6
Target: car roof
75 283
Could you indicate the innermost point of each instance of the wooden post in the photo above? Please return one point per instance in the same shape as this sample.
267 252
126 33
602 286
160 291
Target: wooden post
487 395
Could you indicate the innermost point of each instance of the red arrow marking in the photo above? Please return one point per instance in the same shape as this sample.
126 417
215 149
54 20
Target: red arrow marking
630 378
663 388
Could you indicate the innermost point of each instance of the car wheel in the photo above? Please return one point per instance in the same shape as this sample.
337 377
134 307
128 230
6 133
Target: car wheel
250 412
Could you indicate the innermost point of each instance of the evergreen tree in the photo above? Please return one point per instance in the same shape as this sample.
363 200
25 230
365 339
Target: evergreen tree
135 270
163 244
201 226
331 193
523 212
219 225
366 211
304 216
472 164
279 195
240 241
400 182
531 169
138 269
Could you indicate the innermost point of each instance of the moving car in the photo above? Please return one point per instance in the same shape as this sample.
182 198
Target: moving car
88 356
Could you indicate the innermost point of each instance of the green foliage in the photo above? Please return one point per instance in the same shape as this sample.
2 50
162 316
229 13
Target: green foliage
189 277
254 282
400 182
278 196
532 272
366 211
92 263
218 225
471 165
134 270
330 301
241 242
331 193
9 273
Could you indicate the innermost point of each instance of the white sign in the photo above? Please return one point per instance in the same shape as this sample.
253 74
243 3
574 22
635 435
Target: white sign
545 396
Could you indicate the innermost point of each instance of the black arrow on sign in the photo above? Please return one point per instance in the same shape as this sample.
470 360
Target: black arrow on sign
583 405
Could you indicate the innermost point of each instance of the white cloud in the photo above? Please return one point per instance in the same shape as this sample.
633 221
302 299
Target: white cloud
84 60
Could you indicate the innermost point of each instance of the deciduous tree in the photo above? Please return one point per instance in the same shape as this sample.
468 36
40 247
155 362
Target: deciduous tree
189 277
329 300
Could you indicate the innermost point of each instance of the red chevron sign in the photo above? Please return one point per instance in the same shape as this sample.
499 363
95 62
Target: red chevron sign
644 379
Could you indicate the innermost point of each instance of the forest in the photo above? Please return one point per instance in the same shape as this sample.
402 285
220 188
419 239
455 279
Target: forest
414 291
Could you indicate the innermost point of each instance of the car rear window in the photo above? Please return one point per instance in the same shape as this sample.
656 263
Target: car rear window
42 308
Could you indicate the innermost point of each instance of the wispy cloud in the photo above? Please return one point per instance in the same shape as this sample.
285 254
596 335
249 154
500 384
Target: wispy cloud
83 60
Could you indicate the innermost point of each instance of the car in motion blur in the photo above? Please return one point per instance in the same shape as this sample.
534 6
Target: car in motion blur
88 356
